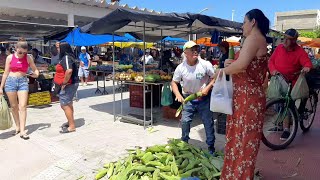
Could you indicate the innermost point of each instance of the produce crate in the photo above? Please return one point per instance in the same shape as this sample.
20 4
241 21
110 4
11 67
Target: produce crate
136 96
221 123
136 90
169 113
137 100
39 98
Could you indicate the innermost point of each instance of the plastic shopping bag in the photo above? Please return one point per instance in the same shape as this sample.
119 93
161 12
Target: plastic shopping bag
221 95
300 89
277 88
5 117
166 98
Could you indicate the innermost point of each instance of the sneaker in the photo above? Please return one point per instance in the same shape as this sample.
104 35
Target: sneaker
285 135
275 129
85 84
82 84
212 151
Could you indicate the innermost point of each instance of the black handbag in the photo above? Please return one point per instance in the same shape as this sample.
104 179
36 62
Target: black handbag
55 89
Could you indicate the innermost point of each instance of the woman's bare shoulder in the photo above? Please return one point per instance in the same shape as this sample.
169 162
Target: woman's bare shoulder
9 57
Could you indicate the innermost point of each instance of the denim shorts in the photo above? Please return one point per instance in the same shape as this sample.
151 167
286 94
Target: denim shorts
66 95
14 84
83 72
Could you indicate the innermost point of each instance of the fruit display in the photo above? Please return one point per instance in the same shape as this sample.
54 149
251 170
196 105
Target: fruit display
104 68
52 68
122 67
173 161
138 78
92 68
150 76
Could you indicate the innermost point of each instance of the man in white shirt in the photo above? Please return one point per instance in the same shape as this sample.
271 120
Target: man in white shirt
148 57
195 74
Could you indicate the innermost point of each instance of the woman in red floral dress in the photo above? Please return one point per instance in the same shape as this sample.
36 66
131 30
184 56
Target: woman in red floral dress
244 127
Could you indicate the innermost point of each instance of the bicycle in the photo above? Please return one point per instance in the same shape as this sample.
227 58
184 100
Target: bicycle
277 110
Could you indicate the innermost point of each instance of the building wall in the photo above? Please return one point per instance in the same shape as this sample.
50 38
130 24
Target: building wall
300 20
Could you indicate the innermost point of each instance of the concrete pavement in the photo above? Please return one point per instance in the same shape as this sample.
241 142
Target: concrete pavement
51 155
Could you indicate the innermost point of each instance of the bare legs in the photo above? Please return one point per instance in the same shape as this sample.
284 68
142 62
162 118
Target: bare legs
18 102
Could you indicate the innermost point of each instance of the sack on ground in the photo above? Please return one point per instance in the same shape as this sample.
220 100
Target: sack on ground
166 97
221 95
300 89
277 88
5 116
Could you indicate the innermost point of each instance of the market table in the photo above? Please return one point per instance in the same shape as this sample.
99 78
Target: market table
104 80
131 118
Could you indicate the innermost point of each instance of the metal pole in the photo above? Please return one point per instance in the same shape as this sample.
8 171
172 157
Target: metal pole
144 72
113 79
151 104
161 50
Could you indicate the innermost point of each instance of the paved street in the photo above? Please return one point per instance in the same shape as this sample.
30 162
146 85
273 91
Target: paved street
51 155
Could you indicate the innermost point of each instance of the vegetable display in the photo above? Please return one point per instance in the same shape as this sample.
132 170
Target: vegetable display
172 161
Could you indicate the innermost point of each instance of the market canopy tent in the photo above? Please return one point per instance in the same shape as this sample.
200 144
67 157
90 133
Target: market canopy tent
156 26
78 38
206 41
315 43
13 29
174 40
131 44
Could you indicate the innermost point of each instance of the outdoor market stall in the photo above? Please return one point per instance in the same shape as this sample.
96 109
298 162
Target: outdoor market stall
152 27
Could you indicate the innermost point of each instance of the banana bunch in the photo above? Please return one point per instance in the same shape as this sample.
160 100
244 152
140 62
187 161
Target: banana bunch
172 161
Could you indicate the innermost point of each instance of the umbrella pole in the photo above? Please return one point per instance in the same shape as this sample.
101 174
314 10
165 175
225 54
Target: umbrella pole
144 73
113 79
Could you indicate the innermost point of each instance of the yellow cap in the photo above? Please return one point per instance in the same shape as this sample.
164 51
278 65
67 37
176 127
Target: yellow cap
189 44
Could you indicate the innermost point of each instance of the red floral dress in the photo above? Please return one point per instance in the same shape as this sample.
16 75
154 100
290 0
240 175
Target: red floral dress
244 127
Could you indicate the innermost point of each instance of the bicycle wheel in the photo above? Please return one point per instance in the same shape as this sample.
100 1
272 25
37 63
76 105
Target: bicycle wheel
309 111
277 114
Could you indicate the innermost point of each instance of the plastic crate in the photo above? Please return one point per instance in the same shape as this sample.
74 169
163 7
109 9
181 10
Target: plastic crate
169 113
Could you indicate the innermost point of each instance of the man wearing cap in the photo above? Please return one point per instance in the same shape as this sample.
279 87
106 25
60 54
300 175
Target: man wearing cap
195 74
289 59
85 62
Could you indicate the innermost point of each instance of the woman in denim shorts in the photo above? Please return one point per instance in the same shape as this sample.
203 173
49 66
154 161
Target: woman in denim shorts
15 83
67 77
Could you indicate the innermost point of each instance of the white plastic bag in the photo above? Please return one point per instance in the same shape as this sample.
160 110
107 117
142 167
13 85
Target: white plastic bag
221 95
5 116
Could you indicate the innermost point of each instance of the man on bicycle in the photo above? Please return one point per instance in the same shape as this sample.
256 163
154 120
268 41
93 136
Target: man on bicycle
289 59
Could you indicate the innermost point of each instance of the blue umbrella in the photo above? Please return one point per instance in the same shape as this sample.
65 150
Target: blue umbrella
171 39
77 38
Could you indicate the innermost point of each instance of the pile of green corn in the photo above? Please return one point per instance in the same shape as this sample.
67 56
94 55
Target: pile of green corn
173 161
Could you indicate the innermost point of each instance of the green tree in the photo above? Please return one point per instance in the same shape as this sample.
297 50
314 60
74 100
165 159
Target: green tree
311 34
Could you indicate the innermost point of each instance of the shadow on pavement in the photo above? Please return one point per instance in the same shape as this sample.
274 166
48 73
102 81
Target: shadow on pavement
30 129
78 122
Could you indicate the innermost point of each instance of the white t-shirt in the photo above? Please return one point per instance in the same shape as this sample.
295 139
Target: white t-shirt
149 59
194 77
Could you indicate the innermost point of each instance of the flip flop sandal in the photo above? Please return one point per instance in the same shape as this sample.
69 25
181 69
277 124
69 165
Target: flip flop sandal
65 125
17 132
66 130
25 137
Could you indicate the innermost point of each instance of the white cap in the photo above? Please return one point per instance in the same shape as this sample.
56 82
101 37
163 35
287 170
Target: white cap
83 48
189 44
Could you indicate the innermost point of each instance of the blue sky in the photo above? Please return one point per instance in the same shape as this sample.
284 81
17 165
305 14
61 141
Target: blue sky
223 8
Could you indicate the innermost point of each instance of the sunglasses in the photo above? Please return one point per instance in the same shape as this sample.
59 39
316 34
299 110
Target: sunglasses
194 50
24 53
